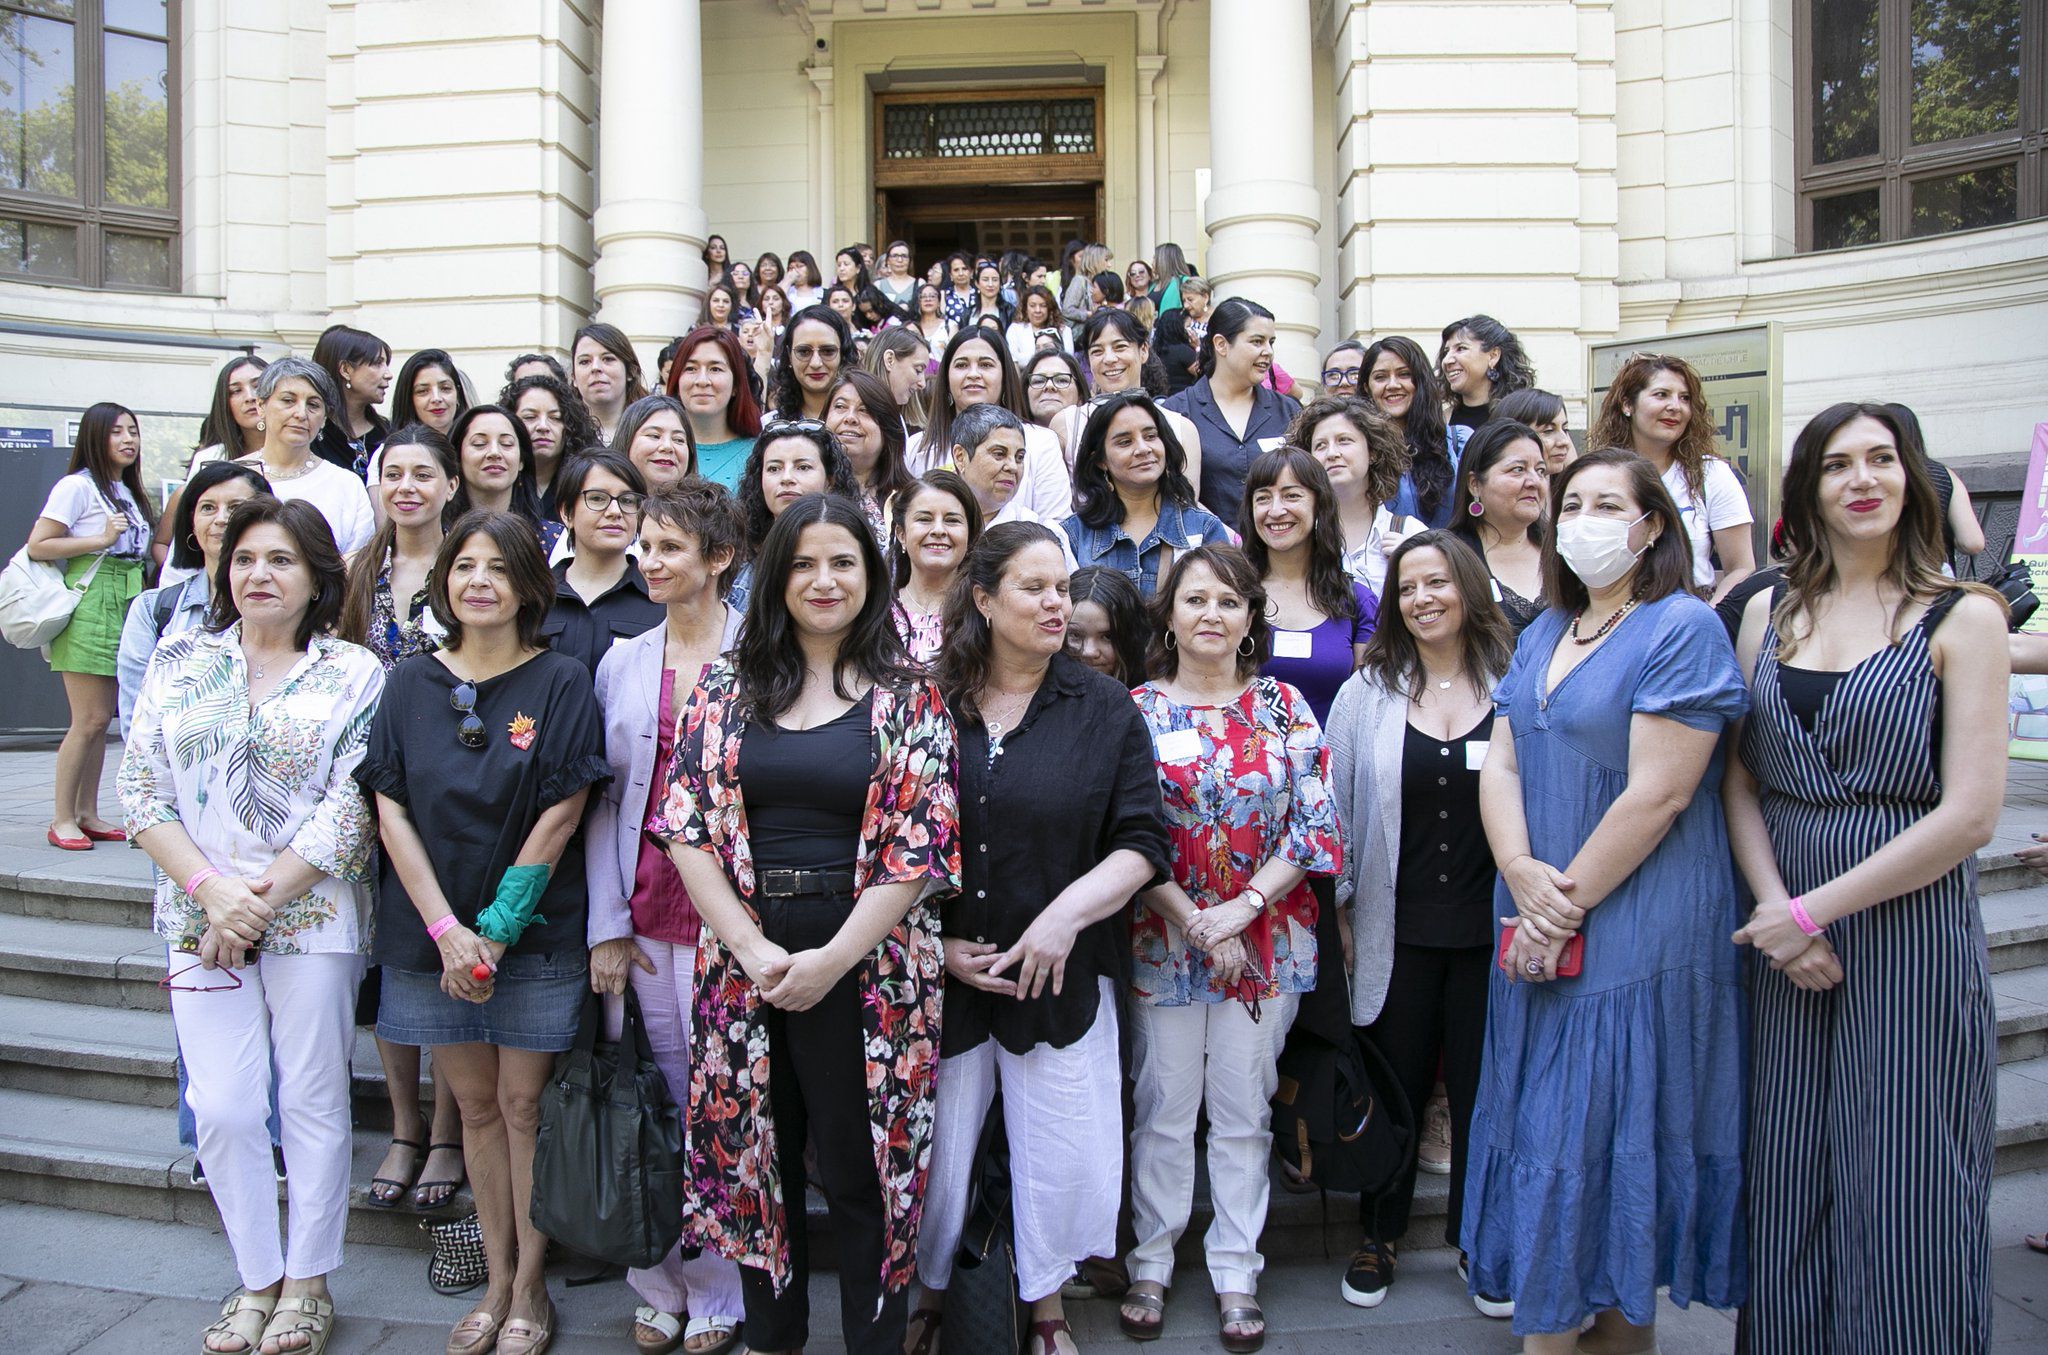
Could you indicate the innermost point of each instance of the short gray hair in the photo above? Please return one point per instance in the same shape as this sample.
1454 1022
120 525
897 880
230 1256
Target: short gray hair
972 425
284 369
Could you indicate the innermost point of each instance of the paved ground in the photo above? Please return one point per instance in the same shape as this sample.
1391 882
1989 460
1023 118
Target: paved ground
82 1282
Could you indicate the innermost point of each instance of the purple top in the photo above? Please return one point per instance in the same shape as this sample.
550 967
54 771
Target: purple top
1316 662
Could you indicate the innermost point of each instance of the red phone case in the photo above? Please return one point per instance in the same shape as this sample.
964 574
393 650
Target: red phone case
1568 964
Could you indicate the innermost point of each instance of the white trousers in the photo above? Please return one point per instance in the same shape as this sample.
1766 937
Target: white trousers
1184 1058
706 1285
1063 1116
295 1013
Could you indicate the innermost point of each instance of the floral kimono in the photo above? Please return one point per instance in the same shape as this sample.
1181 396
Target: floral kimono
732 1195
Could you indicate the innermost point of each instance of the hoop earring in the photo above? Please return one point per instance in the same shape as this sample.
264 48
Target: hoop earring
1476 508
1169 640
1246 647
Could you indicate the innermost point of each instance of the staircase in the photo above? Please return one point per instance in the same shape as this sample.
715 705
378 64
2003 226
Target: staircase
87 1085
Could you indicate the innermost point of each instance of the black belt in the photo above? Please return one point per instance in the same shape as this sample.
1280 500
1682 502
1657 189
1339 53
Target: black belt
784 884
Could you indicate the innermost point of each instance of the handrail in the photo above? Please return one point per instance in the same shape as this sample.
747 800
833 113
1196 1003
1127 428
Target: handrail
158 339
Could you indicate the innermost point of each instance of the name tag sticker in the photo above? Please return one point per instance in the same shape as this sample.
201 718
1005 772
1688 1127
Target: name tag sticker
1179 745
306 706
618 640
1270 444
1194 540
1475 754
1291 644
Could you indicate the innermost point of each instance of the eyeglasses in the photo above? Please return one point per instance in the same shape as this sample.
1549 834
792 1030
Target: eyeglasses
1058 381
808 353
471 730
597 500
1335 377
189 945
797 426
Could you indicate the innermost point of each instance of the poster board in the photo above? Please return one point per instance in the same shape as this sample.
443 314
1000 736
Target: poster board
1741 370
2027 708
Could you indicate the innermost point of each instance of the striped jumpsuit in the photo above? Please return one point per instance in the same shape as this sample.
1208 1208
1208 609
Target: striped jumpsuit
1871 1105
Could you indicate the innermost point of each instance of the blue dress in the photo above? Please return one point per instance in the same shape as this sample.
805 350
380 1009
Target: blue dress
1606 1147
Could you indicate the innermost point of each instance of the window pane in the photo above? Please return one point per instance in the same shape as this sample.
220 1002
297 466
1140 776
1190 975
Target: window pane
138 122
1966 68
143 16
38 146
1845 219
1982 197
1844 79
39 250
60 8
138 261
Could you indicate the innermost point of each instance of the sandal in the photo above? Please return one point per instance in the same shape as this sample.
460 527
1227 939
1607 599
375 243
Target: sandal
1240 1315
926 1337
302 1316
478 1332
667 1326
1048 1331
2038 1242
1142 1329
447 1187
398 1188
726 1327
521 1337
243 1316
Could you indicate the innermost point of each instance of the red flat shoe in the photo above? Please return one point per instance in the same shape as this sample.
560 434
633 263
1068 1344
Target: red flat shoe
69 844
107 834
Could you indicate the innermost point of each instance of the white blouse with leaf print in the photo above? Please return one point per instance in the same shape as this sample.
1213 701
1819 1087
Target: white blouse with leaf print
251 785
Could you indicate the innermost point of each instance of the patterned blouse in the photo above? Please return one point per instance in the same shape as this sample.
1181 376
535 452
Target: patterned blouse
732 1192
251 785
393 640
1243 782
922 632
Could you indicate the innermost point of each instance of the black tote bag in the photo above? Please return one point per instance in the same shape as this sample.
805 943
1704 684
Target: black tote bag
608 1160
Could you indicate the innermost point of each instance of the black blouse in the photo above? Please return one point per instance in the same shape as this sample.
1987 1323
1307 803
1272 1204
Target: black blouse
474 807
586 631
1443 884
1056 802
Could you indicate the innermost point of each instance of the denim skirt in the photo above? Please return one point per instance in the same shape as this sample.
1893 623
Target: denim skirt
534 1005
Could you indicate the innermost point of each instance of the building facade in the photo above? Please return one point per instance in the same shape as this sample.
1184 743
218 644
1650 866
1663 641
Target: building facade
486 175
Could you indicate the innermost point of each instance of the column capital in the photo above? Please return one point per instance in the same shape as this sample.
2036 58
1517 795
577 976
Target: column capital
1150 66
821 79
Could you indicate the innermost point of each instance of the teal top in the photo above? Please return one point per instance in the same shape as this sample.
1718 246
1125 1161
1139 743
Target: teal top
723 461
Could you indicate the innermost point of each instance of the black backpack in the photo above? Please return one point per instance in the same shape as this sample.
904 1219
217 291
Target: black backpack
1340 1119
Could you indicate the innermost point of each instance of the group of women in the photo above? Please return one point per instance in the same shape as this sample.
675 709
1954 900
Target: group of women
898 752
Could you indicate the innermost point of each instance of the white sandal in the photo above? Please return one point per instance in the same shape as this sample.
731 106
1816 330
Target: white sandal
668 1324
243 1316
698 1326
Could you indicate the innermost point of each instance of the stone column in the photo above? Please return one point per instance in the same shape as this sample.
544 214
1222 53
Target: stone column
1149 158
1263 210
824 231
650 223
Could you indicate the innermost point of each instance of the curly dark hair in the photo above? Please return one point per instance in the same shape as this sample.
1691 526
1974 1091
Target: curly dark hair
968 653
1387 459
1422 427
1512 371
579 430
787 399
839 477
1329 585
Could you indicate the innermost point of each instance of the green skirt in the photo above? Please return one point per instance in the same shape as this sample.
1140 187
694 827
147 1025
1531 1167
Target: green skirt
90 642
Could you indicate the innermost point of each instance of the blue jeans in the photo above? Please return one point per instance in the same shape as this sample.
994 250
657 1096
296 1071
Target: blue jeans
188 1132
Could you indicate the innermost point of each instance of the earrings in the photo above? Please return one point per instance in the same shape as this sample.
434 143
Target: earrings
1476 508
1246 647
1493 376
1170 643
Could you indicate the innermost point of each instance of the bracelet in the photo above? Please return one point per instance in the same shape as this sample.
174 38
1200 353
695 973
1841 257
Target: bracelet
440 925
1801 918
199 877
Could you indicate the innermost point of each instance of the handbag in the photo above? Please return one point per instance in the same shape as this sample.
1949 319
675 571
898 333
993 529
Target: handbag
983 1312
608 1157
35 602
458 1264
2015 583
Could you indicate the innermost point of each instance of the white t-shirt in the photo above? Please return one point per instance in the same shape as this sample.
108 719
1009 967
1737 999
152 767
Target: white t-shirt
1048 488
76 502
1366 562
1725 506
341 498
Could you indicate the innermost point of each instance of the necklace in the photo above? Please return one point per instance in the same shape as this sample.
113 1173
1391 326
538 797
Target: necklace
1444 684
1609 624
1002 711
305 466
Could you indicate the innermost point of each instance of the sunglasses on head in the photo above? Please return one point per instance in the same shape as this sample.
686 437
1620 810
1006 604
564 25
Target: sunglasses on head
471 730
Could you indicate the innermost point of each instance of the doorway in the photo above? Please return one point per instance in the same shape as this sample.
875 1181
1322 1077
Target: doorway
1037 219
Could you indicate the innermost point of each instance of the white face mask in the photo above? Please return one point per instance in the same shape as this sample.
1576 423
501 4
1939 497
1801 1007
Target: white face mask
1596 549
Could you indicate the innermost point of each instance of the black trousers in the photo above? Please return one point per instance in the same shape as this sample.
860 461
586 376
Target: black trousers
818 1088
1435 1014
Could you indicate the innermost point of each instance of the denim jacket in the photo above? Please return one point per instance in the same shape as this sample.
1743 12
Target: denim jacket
1180 528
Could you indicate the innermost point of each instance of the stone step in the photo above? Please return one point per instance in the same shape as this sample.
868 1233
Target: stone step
110 885
2016 925
86 963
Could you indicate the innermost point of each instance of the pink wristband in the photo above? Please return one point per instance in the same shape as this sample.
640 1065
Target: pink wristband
199 877
438 926
1801 918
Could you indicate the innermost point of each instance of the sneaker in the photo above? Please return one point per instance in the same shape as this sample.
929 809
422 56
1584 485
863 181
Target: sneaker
1487 1304
1370 1272
1433 1154
277 1161
198 1173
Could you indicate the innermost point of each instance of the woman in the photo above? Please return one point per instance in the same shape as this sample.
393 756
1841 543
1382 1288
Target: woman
233 426
802 283
722 307
245 737
606 373
789 462
774 316
643 928
358 365
709 377
1499 510
812 350
1402 386
929 318
716 257
850 270
1960 530
1320 616
1036 315
557 425
600 599
1600 794
1134 505
296 397
767 275
1545 414
873 312
1109 628
1054 382
1225 947
1105 289
1053 849
989 309
810 813
903 360
1075 304
1119 354
740 279
861 414
897 281
655 435
1364 459
839 299
934 525
1481 360
1237 356
429 391
959 294
481 758
497 470
1656 407
1407 737
976 369
1138 279
1868 779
